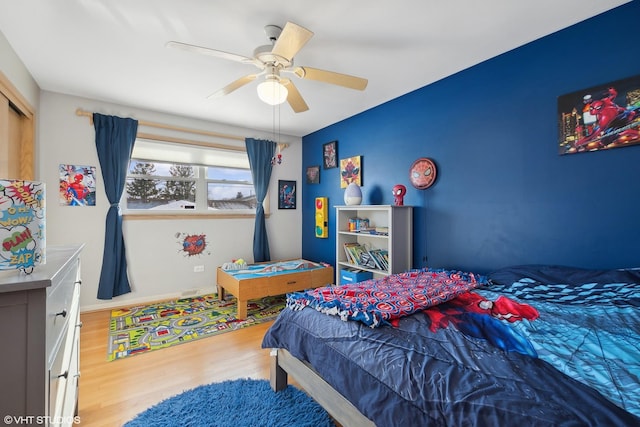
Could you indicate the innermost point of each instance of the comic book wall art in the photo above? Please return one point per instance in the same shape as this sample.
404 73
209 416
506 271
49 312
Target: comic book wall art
600 118
330 155
22 225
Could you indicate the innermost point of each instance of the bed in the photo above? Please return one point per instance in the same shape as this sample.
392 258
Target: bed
525 345
271 278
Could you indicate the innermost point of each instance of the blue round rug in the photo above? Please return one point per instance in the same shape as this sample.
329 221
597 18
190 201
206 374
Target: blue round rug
236 403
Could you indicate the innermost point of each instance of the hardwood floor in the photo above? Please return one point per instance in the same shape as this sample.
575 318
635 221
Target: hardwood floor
112 393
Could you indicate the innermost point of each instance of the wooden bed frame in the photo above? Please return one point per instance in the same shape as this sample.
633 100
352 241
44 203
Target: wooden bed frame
284 364
270 285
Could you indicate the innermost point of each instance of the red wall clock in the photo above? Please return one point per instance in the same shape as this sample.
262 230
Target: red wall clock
422 173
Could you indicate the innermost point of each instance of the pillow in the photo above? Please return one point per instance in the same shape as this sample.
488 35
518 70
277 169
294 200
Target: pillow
569 285
550 274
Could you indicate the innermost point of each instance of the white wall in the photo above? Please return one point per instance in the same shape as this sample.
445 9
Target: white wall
158 268
13 68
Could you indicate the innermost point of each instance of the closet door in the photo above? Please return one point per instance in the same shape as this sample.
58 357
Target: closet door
16 134
10 140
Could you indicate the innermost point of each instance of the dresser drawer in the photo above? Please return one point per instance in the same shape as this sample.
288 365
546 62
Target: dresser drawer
59 299
64 371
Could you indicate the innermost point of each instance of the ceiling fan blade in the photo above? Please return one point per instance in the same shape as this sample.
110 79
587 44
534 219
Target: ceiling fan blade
213 52
331 77
233 86
293 97
291 40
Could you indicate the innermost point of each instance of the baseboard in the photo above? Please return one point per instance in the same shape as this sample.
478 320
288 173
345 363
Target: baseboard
188 293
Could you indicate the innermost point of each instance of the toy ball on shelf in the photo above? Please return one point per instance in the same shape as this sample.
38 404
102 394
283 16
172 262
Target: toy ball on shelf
352 194
399 191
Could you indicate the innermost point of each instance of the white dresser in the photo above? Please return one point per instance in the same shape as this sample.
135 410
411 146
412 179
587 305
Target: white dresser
39 354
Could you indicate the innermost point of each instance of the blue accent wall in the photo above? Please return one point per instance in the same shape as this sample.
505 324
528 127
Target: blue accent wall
503 194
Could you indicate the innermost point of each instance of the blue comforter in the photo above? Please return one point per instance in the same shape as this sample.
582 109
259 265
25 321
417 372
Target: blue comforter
528 349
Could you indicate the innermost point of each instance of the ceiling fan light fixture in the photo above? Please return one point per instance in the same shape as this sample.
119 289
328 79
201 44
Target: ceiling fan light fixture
272 92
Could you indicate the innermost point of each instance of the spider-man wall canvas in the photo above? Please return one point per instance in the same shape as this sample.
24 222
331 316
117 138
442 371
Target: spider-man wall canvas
77 185
599 118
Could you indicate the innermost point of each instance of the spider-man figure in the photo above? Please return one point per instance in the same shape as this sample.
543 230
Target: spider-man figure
613 123
399 191
77 191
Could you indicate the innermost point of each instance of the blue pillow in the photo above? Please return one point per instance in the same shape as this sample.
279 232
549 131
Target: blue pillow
550 274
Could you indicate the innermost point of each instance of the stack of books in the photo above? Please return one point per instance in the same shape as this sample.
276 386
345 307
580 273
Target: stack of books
381 257
359 255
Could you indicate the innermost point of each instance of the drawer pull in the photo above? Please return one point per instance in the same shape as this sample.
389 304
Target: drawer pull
65 374
79 325
78 282
291 282
63 313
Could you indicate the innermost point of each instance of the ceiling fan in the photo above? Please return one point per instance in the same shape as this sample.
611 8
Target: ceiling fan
273 60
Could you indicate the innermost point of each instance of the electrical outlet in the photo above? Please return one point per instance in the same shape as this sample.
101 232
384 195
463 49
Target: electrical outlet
198 269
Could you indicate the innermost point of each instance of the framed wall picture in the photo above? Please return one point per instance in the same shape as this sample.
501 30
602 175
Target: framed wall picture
77 185
330 155
313 174
286 194
351 171
600 117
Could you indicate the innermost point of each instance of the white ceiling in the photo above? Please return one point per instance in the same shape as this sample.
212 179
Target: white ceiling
114 50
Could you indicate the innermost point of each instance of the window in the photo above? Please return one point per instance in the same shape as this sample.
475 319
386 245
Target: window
229 188
188 179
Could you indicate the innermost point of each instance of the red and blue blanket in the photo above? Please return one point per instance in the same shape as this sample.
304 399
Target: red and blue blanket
382 301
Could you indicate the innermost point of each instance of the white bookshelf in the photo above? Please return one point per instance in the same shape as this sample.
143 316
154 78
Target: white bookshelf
398 242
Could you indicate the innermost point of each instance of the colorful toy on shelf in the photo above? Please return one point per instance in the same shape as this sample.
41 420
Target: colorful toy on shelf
399 191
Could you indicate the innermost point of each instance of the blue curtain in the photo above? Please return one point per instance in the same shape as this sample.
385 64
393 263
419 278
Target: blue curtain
115 138
260 153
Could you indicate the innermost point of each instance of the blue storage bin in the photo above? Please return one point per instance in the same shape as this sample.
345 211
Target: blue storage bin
352 275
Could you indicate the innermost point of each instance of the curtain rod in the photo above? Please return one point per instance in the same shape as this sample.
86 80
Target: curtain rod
81 112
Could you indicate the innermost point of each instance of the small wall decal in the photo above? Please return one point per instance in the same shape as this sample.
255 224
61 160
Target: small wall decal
192 244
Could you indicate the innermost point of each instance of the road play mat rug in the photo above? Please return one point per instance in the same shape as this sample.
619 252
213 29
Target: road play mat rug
141 329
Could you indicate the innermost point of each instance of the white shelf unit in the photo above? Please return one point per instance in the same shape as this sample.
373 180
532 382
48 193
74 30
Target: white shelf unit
398 242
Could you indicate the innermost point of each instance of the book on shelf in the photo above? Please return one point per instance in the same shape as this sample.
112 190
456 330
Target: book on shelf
381 230
367 231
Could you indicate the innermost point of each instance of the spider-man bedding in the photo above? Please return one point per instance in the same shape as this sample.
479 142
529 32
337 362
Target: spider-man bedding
528 345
